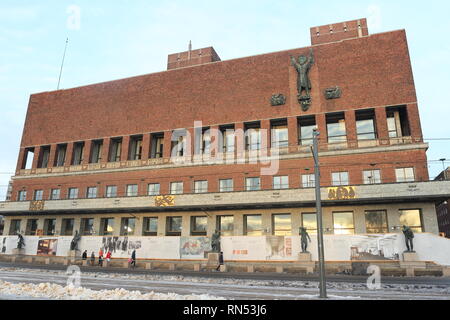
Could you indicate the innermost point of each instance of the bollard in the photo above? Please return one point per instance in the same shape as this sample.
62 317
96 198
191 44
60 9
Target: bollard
148 265
279 269
250 268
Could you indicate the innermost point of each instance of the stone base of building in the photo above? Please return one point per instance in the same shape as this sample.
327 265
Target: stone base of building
19 252
411 263
74 254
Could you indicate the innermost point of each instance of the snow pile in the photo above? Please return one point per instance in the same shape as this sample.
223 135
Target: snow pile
57 292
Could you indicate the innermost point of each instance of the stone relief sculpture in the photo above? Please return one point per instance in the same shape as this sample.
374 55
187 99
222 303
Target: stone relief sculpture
278 100
303 65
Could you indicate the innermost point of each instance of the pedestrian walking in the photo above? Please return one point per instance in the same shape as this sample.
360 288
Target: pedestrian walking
84 256
92 258
133 259
108 256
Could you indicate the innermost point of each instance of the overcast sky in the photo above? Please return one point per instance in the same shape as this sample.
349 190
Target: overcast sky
113 39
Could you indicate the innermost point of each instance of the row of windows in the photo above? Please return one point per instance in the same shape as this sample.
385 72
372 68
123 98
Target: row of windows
366 129
343 223
225 185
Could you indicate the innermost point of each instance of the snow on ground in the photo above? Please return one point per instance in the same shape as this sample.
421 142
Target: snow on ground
348 287
57 292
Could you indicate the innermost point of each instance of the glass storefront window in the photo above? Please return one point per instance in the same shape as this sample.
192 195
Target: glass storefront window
343 223
411 218
376 221
107 226
253 225
198 226
309 221
150 226
173 226
225 224
281 224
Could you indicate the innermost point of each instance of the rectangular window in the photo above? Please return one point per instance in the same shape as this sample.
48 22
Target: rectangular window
91 192
115 150
111 191
22 195
201 186
279 133
28 158
150 226
253 184
173 226
157 142
225 224
73 193
336 128
38 195
308 180
412 218
253 225
376 221
49 227
153 189
135 148
14 227
252 136
179 145
309 221
87 226
365 124
176 187
281 225
60 157
226 185
339 178
404 174
198 226
132 190
44 156
107 226
397 122
78 148
96 151
227 139
306 126
343 223
280 182
128 226
56 194
371 176
32 225
67 227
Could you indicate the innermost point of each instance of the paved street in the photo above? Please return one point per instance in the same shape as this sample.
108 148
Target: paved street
255 287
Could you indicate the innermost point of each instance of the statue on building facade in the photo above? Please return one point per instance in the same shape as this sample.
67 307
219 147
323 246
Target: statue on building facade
304 239
409 235
215 241
74 242
20 241
303 65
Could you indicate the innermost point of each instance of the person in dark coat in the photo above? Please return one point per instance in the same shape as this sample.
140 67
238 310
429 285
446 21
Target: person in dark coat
84 256
133 259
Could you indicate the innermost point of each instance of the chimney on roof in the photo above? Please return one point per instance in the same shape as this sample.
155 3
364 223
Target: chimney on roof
339 31
192 57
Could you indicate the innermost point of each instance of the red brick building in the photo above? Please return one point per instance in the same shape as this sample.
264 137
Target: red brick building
106 151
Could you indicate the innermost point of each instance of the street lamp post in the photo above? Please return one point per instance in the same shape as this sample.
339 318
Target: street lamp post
323 287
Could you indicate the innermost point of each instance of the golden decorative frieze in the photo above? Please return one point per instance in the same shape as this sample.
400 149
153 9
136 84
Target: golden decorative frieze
341 193
165 201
